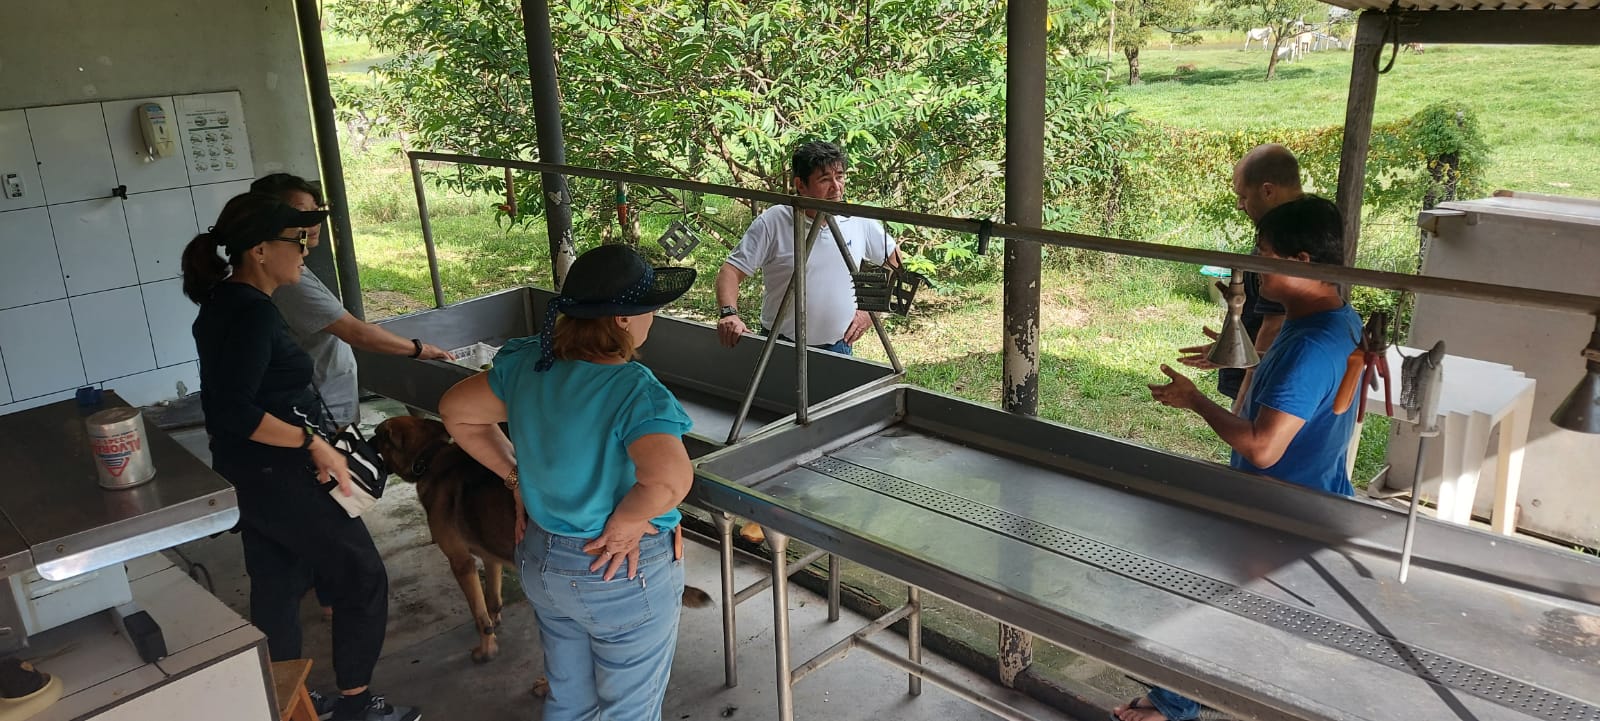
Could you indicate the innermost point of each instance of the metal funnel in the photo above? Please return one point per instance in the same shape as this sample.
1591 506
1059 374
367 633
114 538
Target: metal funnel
1581 410
1234 347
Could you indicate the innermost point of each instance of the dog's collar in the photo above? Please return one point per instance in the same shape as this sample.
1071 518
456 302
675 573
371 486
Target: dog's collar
419 466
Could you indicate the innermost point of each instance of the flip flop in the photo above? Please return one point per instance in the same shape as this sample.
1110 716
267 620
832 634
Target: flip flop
1137 702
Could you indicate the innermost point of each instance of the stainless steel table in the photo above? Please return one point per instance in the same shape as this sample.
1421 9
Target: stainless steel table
68 524
1265 599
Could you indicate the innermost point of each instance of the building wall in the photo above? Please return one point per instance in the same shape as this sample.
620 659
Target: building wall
62 59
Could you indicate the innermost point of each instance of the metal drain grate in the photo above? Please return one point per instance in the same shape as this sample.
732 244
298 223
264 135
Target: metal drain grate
1429 666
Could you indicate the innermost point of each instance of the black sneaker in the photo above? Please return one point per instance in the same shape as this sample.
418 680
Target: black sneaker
378 709
322 705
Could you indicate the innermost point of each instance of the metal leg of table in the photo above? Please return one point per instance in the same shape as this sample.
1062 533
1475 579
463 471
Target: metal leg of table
780 622
914 638
730 646
833 588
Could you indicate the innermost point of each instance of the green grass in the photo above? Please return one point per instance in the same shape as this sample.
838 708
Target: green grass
1533 103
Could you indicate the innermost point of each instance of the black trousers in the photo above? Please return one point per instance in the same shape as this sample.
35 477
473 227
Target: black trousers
291 529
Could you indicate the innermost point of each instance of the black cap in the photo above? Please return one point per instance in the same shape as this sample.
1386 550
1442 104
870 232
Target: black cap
616 280
264 224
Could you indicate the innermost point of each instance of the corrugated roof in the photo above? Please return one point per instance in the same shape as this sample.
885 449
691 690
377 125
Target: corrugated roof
1468 4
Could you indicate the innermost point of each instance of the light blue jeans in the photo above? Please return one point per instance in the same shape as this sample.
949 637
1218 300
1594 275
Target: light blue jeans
1173 706
608 645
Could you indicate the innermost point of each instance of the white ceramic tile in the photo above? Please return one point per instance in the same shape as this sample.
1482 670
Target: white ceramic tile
92 240
212 133
73 151
142 389
113 335
37 401
136 168
160 224
40 348
30 271
18 170
171 316
209 199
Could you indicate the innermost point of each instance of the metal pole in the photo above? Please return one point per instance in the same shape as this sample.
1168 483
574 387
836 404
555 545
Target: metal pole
552 149
1331 273
327 133
779 544
766 353
833 587
956 687
730 645
914 637
1025 81
802 256
877 323
1416 503
427 232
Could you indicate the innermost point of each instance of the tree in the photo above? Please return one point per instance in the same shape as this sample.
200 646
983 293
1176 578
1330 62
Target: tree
722 90
1286 19
1137 21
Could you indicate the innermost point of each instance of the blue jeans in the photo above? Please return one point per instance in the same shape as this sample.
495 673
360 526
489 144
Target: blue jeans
1173 706
608 645
838 346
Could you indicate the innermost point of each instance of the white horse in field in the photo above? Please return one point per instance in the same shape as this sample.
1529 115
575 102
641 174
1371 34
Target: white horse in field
1260 35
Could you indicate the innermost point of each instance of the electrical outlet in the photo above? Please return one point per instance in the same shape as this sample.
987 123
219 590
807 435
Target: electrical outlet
11 185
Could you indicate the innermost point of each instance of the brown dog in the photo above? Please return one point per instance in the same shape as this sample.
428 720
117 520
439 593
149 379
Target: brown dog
470 513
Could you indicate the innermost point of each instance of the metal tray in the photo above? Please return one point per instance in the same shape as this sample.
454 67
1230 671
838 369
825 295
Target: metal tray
1262 598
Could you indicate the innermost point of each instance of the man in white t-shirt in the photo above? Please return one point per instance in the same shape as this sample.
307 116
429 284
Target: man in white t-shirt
832 320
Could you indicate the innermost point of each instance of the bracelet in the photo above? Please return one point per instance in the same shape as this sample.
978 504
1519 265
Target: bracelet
511 479
305 445
418 352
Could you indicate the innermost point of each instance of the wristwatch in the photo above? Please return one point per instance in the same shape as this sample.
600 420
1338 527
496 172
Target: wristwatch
511 479
726 311
311 435
418 345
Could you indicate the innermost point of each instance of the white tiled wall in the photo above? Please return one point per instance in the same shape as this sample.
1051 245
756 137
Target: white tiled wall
17 164
89 281
30 272
160 224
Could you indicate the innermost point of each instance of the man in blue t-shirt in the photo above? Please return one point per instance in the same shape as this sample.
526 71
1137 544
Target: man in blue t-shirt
1286 427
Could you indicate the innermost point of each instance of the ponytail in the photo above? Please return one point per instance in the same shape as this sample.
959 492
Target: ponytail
203 269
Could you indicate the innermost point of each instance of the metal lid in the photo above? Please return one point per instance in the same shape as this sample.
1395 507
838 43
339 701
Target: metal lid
113 415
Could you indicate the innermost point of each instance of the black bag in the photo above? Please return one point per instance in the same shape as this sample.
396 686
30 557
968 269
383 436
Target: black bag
368 472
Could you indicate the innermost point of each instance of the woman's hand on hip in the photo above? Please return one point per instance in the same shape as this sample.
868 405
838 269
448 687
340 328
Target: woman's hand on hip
331 465
619 543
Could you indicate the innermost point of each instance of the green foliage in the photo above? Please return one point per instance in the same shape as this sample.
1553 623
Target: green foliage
1284 17
722 90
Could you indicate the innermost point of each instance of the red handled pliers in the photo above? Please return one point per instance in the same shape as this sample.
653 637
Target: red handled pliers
1375 347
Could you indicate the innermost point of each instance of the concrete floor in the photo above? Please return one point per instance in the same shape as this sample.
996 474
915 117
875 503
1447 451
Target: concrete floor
426 660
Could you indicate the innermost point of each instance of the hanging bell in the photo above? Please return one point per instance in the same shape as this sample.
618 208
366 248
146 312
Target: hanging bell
1234 347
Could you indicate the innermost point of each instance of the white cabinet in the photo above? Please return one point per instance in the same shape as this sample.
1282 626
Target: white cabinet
40 347
171 316
92 240
30 272
160 224
112 334
19 173
73 151
135 168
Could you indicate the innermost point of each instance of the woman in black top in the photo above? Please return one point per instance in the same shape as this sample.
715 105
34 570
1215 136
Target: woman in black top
260 407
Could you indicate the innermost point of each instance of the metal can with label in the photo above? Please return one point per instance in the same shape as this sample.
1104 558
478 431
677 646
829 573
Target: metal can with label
117 442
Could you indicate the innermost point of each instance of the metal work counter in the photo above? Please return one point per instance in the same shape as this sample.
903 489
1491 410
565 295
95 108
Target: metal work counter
63 523
1262 598
707 378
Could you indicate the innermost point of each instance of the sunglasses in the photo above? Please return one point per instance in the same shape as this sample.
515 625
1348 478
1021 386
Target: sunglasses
302 238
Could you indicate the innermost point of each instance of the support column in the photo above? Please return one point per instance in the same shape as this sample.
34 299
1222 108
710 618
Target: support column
1367 49
1025 87
327 133
552 148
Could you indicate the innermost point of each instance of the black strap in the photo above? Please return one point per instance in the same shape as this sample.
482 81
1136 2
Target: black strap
985 228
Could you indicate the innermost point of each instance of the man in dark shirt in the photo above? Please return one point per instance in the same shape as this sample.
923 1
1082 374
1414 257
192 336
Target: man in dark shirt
1265 178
